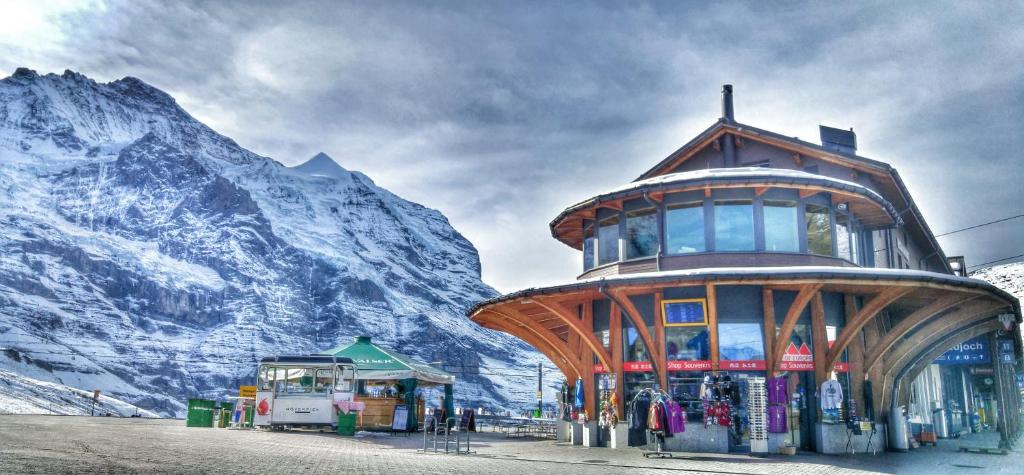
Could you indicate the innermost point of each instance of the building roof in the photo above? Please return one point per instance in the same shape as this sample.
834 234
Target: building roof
758 274
374 362
869 165
752 176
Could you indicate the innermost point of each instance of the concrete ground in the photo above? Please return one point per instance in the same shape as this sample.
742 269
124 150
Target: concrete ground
68 444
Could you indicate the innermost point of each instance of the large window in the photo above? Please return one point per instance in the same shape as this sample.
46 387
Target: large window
641 233
608 240
734 225
843 237
781 229
740 341
684 228
819 230
588 247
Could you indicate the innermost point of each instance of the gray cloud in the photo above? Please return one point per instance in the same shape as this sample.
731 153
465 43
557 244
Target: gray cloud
501 114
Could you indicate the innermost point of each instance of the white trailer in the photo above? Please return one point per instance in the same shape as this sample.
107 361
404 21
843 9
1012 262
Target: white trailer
302 391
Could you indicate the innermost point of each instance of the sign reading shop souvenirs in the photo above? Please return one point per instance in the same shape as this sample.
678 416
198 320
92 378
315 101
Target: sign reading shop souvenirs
796 358
973 351
684 313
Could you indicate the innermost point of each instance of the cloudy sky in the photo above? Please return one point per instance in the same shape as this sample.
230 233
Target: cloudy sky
500 114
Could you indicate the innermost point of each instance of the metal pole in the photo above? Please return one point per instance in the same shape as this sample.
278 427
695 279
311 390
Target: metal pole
540 391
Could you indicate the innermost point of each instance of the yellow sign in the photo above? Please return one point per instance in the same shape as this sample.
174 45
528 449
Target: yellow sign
247 391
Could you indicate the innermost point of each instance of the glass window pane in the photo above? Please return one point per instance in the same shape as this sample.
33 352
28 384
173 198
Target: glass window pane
734 225
641 233
687 344
684 228
819 230
588 247
843 237
608 240
740 341
781 230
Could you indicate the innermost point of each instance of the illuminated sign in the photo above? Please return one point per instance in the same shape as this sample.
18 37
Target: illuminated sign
684 313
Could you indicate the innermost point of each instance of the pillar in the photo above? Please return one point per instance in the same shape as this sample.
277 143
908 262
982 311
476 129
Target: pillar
449 401
412 420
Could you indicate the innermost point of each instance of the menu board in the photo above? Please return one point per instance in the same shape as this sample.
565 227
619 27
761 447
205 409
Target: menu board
681 313
401 418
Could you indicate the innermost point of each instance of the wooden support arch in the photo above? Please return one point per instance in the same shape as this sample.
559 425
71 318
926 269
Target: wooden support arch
586 334
941 347
855 352
792 315
864 315
819 337
898 332
621 299
538 332
567 367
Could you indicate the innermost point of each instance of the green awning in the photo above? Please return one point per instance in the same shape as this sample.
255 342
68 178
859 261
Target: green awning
374 362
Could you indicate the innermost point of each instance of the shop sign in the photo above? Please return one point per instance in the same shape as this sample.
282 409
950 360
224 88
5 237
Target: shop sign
247 391
797 359
742 365
599 368
695 365
637 367
973 351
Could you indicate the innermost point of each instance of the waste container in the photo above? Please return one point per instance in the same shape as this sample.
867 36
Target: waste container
347 423
248 416
200 413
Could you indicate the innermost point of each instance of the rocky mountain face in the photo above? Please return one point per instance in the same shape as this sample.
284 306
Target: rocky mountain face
144 254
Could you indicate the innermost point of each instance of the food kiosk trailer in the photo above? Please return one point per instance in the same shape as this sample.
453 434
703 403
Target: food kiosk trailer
302 391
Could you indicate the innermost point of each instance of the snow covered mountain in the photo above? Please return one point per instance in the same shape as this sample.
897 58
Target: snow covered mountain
144 254
1009 277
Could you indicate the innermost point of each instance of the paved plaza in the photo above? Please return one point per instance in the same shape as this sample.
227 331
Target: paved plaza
65 444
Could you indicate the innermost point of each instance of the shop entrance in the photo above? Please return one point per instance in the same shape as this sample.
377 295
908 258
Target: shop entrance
802 410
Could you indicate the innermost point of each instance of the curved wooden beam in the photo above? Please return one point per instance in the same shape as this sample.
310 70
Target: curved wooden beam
524 333
545 335
891 345
854 326
620 299
807 292
941 347
908 323
586 334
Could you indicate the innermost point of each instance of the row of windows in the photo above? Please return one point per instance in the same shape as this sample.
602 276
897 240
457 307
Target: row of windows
722 225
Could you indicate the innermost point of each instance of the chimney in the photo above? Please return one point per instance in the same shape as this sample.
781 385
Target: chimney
727 112
838 140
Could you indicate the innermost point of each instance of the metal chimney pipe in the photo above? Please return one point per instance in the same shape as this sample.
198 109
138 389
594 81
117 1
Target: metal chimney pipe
727 111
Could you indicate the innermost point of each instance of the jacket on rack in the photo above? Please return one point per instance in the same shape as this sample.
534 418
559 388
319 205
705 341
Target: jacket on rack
638 413
676 417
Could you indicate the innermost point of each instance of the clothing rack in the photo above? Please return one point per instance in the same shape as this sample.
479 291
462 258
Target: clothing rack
659 439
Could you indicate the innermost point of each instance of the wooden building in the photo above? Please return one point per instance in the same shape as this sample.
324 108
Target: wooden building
752 252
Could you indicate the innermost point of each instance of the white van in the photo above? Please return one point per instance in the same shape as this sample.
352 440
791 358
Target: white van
301 391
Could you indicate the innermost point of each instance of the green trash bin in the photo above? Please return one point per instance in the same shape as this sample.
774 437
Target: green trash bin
248 416
200 413
347 423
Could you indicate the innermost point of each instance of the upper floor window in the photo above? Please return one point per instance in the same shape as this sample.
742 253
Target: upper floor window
684 228
588 246
608 240
734 225
819 229
781 229
641 233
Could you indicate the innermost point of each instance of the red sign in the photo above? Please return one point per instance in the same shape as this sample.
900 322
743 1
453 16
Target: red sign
797 359
263 408
742 365
599 368
695 365
637 367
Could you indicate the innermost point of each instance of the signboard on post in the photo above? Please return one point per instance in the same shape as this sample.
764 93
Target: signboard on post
973 351
400 421
247 391
684 313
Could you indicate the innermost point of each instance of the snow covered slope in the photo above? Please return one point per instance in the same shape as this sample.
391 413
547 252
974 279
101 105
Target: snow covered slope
144 254
21 395
1009 277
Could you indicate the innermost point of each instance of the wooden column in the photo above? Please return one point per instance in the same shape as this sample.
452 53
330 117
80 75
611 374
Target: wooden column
768 301
855 356
615 339
659 337
807 292
712 323
820 339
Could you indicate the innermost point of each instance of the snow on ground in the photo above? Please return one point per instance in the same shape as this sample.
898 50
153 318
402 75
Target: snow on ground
23 395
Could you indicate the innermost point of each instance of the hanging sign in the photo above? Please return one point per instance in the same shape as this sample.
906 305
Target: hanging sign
973 351
693 365
684 313
247 391
637 367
